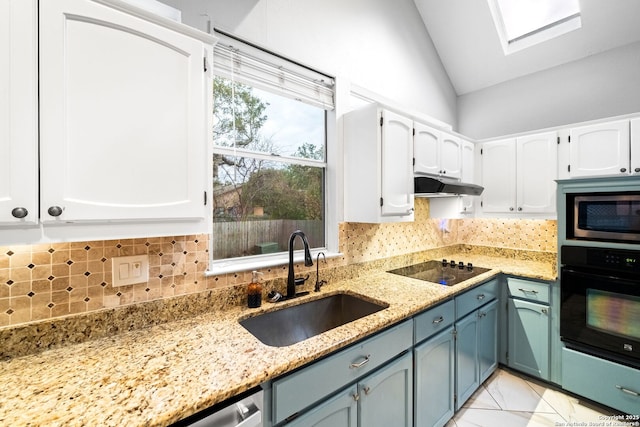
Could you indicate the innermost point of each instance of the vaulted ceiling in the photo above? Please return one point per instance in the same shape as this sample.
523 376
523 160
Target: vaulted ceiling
467 42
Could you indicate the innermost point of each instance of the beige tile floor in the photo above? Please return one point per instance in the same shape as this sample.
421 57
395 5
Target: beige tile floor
507 399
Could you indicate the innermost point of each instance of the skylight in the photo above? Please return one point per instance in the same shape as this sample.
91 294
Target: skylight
523 23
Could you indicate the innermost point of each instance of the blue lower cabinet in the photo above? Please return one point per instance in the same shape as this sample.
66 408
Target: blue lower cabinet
476 350
529 337
308 387
434 380
605 382
386 397
488 340
339 411
467 368
419 372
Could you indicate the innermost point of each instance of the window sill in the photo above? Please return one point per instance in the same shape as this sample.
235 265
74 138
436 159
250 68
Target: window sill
262 261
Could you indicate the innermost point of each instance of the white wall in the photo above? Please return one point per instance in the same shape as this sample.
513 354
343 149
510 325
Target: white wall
380 45
599 86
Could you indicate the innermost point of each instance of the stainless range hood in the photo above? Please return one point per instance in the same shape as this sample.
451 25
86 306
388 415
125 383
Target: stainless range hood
428 186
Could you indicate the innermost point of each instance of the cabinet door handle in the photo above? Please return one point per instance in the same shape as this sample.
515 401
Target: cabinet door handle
438 320
544 311
480 297
519 209
366 390
355 396
55 211
626 390
637 169
623 169
360 364
528 291
511 209
19 212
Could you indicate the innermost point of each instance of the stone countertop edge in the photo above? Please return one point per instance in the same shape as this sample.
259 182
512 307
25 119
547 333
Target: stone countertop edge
159 375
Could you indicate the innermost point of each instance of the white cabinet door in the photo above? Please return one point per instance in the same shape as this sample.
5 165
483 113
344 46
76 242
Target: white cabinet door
468 174
124 107
436 152
18 112
499 176
426 146
397 156
635 146
378 172
599 150
451 156
537 166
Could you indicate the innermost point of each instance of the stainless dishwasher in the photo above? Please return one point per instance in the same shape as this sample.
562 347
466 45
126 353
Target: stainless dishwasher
243 411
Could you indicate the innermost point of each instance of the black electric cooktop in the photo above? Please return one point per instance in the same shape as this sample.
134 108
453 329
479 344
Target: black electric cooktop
444 272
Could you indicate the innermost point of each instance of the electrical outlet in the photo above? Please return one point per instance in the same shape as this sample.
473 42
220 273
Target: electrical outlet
127 270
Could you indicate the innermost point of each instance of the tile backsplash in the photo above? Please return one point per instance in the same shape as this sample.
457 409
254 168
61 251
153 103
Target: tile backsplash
46 281
52 280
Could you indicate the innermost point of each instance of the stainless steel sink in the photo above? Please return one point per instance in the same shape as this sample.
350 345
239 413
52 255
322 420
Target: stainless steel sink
297 323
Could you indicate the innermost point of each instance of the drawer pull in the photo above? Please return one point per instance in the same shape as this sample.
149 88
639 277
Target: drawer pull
438 320
360 364
528 291
626 390
480 297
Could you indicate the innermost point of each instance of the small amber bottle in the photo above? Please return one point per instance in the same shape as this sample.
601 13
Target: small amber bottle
254 291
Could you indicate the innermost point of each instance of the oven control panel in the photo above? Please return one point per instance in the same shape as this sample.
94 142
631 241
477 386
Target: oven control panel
614 259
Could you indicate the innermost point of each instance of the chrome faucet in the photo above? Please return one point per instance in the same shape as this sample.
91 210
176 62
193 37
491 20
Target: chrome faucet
292 282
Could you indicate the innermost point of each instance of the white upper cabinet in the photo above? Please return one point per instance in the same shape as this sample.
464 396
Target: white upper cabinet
437 152
397 156
519 174
499 176
599 150
451 156
18 112
378 153
426 149
537 166
468 174
124 116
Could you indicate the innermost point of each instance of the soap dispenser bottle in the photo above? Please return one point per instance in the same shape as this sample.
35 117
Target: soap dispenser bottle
254 291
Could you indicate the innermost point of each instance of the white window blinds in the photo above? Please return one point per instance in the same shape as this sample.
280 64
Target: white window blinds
247 64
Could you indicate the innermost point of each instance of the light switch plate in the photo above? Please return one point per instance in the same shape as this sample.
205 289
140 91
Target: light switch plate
127 270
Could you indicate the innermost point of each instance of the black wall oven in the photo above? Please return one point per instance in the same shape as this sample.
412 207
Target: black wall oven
600 302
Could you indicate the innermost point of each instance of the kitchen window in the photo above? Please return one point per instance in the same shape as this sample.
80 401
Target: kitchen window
269 168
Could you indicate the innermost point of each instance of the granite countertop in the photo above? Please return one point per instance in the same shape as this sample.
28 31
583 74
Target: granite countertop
161 374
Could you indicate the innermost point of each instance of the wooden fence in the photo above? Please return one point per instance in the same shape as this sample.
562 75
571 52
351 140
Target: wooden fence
241 238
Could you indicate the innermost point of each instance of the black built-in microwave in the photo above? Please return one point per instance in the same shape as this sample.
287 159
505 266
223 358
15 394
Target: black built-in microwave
606 217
